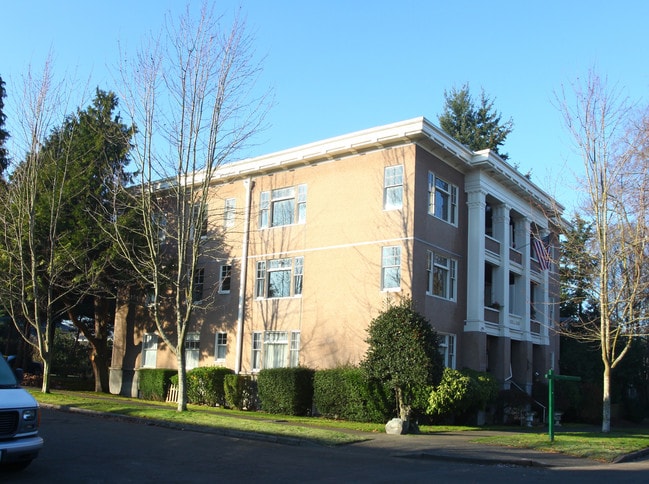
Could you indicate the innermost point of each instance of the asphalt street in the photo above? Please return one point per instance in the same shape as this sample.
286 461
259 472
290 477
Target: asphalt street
81 448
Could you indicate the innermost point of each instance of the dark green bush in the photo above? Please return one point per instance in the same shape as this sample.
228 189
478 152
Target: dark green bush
460 394
286 391
205 385
154 383
346 393
240 392
71 356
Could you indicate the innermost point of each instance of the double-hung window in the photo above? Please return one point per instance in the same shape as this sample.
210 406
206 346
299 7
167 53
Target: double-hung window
442 199
391 268
275 349
221 345
229 212
256 351
279 278
199 283
282 206
192 350
149 350
393 187
198 220
225 278
442 276
447 349
294 356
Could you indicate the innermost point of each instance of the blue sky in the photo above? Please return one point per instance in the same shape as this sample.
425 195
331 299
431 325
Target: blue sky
337 66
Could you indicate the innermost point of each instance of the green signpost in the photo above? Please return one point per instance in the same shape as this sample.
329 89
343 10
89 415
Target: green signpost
551 378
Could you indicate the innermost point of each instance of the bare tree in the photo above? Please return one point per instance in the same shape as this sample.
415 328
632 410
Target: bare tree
613 148
190 93
33 253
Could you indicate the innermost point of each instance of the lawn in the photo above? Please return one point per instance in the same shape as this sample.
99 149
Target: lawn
603 447
573 441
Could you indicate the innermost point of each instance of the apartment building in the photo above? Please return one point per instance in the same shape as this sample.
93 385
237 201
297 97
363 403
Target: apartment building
313 242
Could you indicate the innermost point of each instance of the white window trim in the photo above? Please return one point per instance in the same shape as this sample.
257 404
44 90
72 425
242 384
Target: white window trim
294 349
199 281
387 184
389 266
256 344
448 347
190 339
229 212
218 345
295 267
267 199
223 276
152 340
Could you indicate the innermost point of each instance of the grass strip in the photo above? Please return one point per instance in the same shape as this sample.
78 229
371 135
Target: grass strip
264 424
603 447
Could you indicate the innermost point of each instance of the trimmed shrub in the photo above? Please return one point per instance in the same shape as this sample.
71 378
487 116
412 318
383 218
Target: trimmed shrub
287 391
346 393
462 393
240 392
205 385
154 383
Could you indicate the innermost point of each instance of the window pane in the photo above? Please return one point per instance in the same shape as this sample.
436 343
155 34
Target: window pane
225 278
441 205
279 283
260 285
221 345
199 279
439 282
275 347
295 349
256 351
391 268
264 207
297 276
393 187
283 212
228 213
301 204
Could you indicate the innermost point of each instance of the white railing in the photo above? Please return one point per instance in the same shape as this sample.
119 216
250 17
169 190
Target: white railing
172 394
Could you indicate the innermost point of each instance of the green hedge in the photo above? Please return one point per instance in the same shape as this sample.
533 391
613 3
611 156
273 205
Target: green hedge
240 392
346 393
205 385
154 383
287 391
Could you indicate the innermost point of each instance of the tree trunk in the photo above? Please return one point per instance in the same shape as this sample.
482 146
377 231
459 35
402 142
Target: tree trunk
182 379
45 387
606 399
100 356
404 410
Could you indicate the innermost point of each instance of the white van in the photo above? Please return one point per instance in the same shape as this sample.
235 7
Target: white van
19 420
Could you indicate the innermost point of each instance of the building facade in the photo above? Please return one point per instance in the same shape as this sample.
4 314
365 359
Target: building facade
314 241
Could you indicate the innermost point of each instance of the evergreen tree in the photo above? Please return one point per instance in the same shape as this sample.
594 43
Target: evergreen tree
96 144
404 353
478 127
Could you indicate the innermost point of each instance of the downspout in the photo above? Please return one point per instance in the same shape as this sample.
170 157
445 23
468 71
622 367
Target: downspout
249 184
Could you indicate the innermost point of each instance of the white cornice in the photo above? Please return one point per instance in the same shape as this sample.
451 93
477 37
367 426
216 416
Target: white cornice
416 130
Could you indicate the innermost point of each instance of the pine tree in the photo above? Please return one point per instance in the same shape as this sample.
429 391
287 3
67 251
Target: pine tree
478 126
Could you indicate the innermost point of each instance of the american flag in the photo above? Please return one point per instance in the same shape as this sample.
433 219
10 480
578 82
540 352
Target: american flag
541 252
